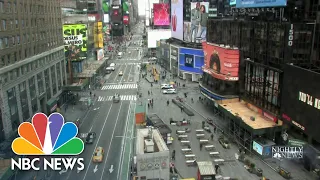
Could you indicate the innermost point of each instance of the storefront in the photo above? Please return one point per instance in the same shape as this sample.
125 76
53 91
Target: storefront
163 55
52 105
190 63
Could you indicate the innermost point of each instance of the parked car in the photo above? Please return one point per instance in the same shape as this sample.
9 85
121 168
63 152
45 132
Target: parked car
98 155
169 91
90 137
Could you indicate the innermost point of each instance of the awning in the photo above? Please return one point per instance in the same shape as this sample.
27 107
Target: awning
52 104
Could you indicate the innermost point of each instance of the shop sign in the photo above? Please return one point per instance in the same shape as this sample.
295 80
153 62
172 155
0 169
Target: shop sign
310 100
290 37
232 78
296 142
298 125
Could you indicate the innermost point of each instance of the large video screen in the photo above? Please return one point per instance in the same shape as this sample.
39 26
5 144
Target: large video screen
116 14
221 62
259 3
161 15
197 28
300 99
177 19
191 60
75 41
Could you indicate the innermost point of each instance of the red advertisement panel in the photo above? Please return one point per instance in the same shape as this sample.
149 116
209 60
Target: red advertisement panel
161 15
221 62
126 20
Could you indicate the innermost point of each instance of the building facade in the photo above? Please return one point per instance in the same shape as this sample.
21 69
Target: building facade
32 63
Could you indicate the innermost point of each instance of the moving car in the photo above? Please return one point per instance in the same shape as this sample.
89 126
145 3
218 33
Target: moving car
120 73
116 98
169 91
166 86
90 137
98 155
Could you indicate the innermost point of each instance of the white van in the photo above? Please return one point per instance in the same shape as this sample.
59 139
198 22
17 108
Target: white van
111 67
120 55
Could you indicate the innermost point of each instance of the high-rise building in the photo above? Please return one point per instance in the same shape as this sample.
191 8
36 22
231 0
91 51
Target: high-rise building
32 61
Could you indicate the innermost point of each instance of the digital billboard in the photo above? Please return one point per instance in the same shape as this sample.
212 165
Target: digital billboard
221 62
105 6
260 3
191 60
98 35
116 14
300 99
75 41
197 28
106 18
100 54
177 19
233 2
161 15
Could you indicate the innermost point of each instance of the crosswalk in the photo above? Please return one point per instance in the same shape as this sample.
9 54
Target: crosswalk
119 86
122 98
133 63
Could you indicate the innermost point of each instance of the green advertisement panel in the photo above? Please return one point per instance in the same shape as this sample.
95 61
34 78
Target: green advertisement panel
75 41
105 6
125 7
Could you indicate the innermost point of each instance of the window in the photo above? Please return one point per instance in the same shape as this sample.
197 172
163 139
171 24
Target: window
1 6
22 86
22 22
17 23
1 43
13 40
15 57
11 93
4 24
9 7
14 7
18 39
11 24
6 42
13 109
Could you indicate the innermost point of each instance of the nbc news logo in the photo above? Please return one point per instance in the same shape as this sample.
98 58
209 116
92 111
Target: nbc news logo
287 152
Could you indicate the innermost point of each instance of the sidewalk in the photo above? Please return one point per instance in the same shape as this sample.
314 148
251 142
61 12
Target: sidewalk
268 165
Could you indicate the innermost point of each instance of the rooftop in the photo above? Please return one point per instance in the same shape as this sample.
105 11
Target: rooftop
206 168
157 139
155 121
240 109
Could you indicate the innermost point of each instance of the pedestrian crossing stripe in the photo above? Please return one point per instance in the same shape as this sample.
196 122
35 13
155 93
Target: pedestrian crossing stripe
133 63
122 98
120 86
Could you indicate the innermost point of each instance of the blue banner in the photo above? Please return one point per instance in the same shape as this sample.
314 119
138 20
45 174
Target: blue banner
259 3
191 60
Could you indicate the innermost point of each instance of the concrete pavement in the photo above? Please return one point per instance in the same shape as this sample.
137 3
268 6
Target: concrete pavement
233 168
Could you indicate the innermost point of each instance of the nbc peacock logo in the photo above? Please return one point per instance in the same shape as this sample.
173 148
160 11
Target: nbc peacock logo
47 136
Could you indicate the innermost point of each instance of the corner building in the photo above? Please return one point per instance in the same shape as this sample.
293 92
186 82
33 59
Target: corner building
32 64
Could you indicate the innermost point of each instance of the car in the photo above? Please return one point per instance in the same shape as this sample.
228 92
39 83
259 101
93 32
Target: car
166 86
120 73
98 155
116 98
169 91
90 137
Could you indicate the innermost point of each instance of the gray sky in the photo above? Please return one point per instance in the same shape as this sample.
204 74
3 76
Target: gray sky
141 7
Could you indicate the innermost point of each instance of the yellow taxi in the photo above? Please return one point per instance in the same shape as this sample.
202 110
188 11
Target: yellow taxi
98 155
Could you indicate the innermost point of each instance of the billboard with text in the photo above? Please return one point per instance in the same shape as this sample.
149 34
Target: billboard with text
75 41
221 62
198 25
161 16
259 3
98 35
300 99
177 19
191 60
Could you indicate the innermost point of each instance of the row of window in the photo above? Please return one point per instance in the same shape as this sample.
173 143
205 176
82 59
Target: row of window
22 86
33 8
17 40
23 70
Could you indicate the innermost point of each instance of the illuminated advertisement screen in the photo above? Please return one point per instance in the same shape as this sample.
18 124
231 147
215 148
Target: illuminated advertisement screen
116 15
75 41
197 28
300 99
161 15
221 62
105 6
233 2
259 3
126 20
177 19
98 35
257 147
191 60
100 54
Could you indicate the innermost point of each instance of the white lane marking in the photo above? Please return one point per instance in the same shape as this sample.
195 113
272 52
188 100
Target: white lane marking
115 78
124 142
129 72
97 142
114 129
132 130
123 72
